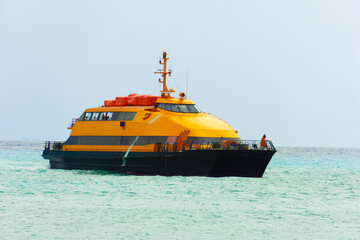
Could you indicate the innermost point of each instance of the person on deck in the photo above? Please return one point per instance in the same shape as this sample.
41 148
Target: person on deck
263 142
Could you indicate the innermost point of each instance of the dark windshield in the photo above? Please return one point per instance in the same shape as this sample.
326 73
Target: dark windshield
182 108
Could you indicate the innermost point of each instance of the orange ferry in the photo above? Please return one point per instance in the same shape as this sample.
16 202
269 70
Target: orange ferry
151 135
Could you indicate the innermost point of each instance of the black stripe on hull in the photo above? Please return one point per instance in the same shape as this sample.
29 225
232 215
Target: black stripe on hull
212 163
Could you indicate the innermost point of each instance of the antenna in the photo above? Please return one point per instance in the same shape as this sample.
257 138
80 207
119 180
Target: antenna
187 80
165 92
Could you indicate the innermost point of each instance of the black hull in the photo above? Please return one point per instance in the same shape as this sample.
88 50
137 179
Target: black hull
212 163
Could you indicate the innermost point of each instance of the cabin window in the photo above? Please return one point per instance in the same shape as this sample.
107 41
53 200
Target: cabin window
125 140
103 116
114 116
126 116
130 116
171 139
183 108
87 116
193 108
107 116
81 118
175 108
167 107
95 116
118 140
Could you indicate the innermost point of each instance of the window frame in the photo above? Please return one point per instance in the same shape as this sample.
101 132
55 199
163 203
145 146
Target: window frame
178 108
108 116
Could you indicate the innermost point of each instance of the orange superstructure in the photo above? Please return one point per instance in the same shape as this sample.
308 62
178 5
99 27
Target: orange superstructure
153 116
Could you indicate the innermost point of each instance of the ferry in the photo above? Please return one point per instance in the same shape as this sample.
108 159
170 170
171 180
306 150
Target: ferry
158 135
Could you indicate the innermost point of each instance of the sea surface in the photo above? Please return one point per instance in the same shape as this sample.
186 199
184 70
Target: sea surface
306 193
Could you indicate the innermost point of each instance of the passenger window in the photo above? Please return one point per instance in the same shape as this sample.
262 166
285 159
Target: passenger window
81 118
109 116
95 116
125 140
127 116
105 116
132 115
81 141
121 116
102 116
115 116
171 139
87 116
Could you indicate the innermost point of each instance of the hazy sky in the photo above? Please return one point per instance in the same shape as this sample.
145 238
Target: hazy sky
290 69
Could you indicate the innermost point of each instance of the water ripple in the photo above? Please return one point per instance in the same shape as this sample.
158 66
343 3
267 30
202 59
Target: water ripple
306 193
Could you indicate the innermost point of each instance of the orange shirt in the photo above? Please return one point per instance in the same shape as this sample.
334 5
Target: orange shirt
262 143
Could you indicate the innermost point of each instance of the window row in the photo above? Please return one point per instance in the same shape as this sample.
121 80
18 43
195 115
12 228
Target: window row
141 140
110 116
182 108
115 140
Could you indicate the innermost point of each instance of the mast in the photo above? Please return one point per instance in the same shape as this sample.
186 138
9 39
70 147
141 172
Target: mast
165 92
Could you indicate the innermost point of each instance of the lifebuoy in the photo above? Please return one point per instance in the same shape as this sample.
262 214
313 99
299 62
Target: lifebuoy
147 115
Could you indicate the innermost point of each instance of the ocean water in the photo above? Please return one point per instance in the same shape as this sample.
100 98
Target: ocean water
306 193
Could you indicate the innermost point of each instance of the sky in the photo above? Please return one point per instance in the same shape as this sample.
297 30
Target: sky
289 69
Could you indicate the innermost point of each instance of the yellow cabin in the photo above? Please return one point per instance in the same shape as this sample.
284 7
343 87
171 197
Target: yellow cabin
143 134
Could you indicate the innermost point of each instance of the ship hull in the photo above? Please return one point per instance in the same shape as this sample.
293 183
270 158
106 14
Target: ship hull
212 163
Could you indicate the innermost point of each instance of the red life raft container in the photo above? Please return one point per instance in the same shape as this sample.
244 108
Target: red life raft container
133 99
147 100
121 101
110 103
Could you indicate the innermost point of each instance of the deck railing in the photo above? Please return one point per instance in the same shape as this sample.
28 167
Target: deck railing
73 121
55 146
226 145
189 145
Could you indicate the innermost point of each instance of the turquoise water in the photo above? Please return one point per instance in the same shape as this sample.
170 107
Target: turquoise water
306 193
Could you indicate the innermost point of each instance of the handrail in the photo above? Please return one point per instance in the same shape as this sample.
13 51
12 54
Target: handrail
73 121
55 146
215 145
189 145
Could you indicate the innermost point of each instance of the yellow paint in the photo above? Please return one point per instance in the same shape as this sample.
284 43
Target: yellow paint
168 124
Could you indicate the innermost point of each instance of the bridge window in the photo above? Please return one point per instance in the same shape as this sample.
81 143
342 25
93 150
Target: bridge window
175 108
167 107
182 108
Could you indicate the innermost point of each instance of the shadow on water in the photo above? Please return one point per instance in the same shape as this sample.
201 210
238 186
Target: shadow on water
98 172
